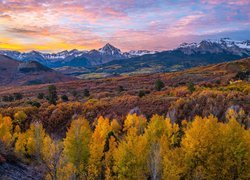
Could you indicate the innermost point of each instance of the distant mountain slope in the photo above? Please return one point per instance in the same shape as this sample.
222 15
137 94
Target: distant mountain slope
186 56
13 72
167 61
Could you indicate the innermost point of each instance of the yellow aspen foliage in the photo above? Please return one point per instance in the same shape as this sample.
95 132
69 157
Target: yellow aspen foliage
76 146
20 145
16 133
201 146
130 159
153 133
184 124
19 117
172 163
172 133
51 154
156 128
172 157
96 146
116 127
132 120
31 142
35 139
6 131
109 158
66 172
161 135
236 150
201 149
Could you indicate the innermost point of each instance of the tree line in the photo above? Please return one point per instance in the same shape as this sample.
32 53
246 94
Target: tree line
137 149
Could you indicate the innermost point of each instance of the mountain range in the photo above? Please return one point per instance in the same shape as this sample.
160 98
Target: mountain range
185 56
75 58
110 60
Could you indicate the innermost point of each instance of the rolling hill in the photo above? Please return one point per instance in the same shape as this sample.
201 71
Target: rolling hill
13 73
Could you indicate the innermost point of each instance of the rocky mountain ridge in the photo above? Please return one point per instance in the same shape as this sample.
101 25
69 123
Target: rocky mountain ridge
75 58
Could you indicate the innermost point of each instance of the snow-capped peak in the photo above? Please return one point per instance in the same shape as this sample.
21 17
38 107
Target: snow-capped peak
184 45
140 52
227 42
224 42
110 50
235 47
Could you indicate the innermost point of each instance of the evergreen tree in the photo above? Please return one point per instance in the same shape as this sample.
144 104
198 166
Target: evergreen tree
120 88
141 93
18 96
159 85
65 98
191 87
40 95
86 93
52 94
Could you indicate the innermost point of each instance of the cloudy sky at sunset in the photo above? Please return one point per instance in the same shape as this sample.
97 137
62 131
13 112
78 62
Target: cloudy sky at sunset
54 25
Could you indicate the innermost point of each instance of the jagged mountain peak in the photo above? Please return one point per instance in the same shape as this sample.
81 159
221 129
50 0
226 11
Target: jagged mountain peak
34 52
222 42
221 45
110 49
227 42
74 51
108 45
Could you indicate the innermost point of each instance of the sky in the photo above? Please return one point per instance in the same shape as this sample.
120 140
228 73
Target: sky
56 25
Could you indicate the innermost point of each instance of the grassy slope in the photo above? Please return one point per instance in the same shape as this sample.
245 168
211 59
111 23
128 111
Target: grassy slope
212 73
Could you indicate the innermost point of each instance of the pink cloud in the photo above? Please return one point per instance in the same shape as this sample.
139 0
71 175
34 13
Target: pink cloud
231 2
131 24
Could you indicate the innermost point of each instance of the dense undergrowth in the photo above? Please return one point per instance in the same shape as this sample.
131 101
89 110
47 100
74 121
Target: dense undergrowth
176 103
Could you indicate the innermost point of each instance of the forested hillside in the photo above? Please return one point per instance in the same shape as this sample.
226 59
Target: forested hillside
192 124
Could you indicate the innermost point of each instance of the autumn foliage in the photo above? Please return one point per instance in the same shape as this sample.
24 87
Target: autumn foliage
137 149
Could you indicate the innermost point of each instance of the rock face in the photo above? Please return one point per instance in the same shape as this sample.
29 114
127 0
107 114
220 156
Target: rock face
136 111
